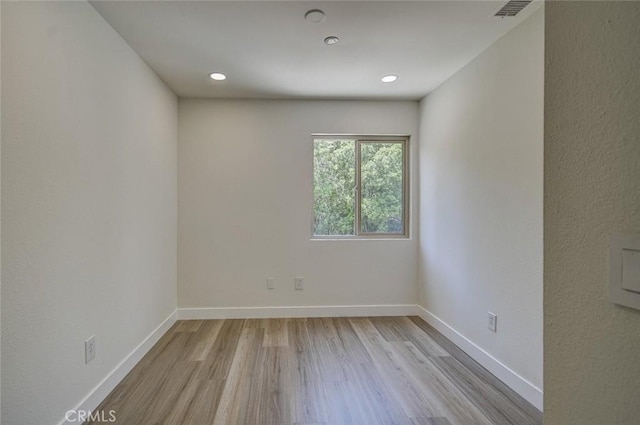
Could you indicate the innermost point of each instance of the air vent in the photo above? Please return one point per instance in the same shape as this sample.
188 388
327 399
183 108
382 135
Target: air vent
512 8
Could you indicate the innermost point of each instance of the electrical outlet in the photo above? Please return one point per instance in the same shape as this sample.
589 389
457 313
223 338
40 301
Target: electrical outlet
493 322
90 349
271 283
299 285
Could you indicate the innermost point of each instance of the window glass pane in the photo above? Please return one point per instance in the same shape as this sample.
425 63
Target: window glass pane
334 183
381 176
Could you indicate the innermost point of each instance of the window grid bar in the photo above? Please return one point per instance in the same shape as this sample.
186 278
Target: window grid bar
358 197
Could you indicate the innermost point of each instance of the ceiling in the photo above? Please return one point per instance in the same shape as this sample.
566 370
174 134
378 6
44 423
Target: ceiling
268 50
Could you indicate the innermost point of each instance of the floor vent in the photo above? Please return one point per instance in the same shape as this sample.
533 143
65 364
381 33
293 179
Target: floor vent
512 8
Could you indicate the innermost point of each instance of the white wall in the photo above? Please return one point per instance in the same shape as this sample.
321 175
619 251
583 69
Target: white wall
245 207
592 189
89 163
0 218
481 147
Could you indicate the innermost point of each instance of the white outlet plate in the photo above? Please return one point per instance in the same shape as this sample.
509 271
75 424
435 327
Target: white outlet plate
299 283
271 283
624 269
90 349
493 322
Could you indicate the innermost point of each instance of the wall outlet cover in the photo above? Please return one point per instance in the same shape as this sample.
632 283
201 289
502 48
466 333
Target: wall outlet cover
90 349
493 322
624 269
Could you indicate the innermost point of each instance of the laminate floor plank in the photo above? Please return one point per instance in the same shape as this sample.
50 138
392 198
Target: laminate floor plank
238 389
309 399
223 350
495 405
188 326
396 378
322 337
375 397
167 396
351 348
389 328
180 411
211 330
275 334
136 377
270 403
140 391
203 409
195 336
361 396
344 408
478 371
395 329
430 421
420 339
450 401
313 371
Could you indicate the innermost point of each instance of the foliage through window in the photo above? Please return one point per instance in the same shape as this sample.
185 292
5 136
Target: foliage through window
359 186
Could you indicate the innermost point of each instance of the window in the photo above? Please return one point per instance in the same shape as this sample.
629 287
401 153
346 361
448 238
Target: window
360 186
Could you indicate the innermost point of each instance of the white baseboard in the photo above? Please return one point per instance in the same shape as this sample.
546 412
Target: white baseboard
295 311
520 385
102 390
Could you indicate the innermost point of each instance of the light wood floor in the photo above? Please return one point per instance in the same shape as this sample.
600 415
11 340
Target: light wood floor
333 371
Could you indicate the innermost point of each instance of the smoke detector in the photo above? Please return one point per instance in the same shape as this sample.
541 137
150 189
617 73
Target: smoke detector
315 16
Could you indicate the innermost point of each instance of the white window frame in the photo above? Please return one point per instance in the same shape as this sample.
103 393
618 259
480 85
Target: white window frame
406 202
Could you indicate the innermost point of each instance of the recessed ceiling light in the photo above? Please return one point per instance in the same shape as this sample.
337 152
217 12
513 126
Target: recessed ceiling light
217 76
389 78
315 16
332 39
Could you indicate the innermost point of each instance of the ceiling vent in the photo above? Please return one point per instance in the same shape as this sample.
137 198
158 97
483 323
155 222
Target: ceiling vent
512 8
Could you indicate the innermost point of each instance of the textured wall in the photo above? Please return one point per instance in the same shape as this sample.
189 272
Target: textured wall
592 188
245 207
89 162
481 200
